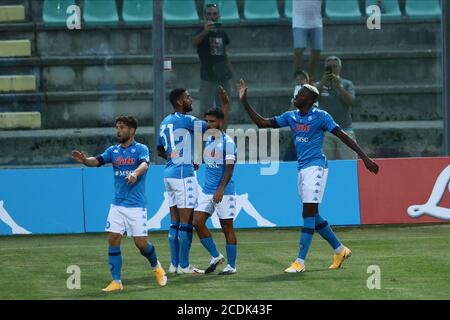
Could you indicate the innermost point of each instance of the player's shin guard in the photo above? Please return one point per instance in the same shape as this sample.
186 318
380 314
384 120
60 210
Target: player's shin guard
173 243
231 254
306 236
185 240
150 254
327 233
209 245
115 262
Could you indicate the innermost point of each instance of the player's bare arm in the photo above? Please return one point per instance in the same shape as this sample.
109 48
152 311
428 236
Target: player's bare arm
369 163
256 118
218 196
162 153
140 170
81 157
225 104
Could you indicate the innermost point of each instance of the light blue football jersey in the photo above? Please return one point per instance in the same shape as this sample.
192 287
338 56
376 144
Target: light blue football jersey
217 152
308 132
125 161
176 136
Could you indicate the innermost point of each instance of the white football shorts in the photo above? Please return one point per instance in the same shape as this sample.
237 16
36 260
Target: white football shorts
311 184
131 220
183 193
226 209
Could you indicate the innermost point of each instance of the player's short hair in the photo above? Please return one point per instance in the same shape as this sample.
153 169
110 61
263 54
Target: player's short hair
215 112
129 121
302 73
175 94
312 90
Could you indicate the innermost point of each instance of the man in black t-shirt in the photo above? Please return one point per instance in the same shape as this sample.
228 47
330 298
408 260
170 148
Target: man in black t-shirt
215 70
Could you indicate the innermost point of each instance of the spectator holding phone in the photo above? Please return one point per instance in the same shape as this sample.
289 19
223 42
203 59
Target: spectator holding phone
337 97
215 67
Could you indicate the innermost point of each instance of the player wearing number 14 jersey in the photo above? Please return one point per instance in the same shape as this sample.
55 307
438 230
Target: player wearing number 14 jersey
175 144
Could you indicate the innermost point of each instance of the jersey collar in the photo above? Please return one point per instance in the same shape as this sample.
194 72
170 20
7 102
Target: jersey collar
133 143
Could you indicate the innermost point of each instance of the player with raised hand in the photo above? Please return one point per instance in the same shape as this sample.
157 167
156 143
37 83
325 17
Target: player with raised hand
128 211
308 125
176 145
218 192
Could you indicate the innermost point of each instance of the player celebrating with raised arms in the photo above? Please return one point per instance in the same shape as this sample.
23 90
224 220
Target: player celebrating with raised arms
308 125
128 211
176 145
218 191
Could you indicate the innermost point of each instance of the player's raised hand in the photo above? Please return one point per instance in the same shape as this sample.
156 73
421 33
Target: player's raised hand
224 96
242 90
131 178
371 165
79 156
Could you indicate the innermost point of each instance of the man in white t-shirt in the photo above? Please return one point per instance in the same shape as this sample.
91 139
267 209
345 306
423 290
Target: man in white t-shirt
307 27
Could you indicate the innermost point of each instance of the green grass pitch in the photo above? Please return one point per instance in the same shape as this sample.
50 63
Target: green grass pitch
414 262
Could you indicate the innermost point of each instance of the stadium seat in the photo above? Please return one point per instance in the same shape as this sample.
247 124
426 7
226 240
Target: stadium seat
17 83
12 13
228 10
55 12
20 120
261 11
180 12
423 9
137 12
392 9
100 12
15 48
288 9
342 10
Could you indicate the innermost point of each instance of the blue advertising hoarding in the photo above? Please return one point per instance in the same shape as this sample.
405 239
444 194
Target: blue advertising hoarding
41 201
73 200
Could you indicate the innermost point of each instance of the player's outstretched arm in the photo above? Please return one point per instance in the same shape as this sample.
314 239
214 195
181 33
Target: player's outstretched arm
162 153
256 118
369 163
82 158
225 105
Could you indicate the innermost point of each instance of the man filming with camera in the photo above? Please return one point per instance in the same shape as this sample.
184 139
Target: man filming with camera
216 70
337 97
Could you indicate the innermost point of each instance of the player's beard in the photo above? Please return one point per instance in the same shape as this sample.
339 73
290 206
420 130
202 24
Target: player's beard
187 108
123 138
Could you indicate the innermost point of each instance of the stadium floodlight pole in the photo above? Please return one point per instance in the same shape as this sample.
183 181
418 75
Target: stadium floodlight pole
445 24
159 97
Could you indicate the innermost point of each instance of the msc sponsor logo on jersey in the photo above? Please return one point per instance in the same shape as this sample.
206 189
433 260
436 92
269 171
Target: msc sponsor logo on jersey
120 161
123 173
302 139
299 127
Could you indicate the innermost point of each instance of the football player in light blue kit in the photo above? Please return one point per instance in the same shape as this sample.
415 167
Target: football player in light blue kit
176 145
308 125
128 211
218 192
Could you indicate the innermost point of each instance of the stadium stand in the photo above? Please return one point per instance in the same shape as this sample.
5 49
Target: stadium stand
15 80
100 12
180 12
137 12
288 9
83 79
255 12
423 9
54 12
391 6
342 10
